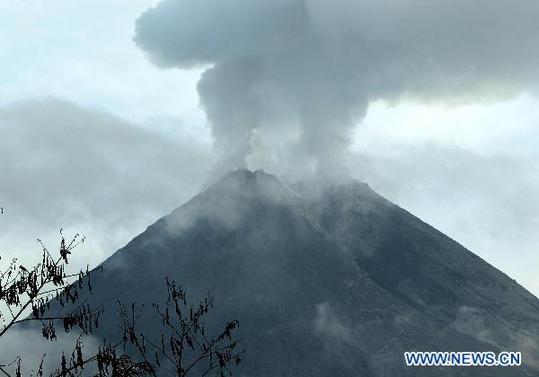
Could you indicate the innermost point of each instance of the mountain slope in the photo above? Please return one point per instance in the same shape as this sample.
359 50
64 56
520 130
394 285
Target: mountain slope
429 271
332 281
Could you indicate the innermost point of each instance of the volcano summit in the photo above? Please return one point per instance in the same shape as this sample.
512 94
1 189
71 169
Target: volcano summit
326 280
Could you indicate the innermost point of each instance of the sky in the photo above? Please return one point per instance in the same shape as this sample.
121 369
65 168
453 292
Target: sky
113 113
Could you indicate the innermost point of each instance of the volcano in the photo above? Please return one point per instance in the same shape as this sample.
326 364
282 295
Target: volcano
325 280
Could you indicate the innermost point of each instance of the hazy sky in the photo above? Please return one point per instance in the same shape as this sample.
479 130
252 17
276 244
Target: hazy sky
112 113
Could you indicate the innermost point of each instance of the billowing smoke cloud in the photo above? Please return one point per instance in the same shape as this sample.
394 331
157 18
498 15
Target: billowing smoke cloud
306 70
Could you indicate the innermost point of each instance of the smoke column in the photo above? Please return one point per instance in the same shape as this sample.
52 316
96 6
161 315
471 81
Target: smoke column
293 77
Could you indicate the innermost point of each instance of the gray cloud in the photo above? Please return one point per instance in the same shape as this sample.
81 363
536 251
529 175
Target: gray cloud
307 69
89 172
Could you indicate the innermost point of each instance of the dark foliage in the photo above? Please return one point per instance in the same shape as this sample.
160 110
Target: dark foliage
27 295
184 343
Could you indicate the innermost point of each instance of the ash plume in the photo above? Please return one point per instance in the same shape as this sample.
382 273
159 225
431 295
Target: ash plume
287 80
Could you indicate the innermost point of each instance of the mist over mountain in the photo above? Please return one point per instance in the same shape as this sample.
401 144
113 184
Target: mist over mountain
325 280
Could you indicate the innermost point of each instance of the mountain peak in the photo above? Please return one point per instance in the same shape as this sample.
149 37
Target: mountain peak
247 183
308 190
248 176
327 279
